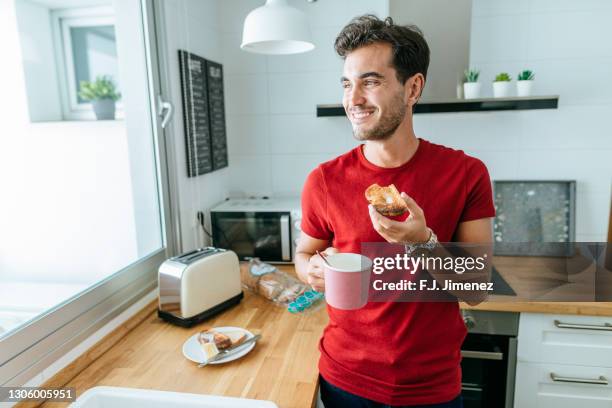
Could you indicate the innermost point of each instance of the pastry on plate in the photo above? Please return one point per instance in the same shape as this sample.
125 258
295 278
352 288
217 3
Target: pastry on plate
386 200
210 350
220 340
236 337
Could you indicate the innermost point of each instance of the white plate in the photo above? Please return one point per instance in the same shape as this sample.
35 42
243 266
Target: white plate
192 350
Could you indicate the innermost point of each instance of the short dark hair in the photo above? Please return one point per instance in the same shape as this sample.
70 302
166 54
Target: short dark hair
409 48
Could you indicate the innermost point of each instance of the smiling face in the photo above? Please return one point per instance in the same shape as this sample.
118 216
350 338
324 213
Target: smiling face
374 100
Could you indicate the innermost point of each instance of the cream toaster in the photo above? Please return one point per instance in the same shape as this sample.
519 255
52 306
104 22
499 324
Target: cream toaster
197 285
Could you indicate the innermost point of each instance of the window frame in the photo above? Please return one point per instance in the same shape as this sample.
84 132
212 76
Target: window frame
61 22
27 351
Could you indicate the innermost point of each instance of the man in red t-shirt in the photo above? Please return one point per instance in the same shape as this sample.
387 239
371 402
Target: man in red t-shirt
390 353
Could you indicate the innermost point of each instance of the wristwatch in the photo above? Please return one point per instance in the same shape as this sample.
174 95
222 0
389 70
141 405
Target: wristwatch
426 247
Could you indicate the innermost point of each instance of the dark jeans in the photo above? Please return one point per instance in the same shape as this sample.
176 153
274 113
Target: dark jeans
334 397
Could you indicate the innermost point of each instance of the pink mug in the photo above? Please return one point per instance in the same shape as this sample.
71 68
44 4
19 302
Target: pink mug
347 280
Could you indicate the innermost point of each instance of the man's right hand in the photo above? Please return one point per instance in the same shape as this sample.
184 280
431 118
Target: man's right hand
316 277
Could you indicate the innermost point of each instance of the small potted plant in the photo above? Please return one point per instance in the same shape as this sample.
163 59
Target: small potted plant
103 94
471 86
524 83
501 85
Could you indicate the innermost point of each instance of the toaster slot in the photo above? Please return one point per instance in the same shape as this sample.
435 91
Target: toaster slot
196 254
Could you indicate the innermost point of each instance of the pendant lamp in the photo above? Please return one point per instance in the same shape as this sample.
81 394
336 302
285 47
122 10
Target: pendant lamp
276 29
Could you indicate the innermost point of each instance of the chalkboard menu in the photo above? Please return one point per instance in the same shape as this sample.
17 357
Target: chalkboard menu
216 114
204 114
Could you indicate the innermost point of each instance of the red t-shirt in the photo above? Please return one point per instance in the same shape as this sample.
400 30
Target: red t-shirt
395 353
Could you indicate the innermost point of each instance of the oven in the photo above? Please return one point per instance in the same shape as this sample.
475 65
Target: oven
265 228
488 361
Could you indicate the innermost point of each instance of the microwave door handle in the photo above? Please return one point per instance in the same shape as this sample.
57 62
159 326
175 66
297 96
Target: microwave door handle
285 239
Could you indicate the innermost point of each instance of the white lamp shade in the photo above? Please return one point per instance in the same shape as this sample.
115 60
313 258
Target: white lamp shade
276 28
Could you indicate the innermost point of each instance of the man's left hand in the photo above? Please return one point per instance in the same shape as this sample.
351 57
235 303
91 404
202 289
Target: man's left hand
412 230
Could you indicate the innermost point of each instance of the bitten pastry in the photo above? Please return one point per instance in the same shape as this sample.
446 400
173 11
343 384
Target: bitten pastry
236 337
220 340
386 200
210 350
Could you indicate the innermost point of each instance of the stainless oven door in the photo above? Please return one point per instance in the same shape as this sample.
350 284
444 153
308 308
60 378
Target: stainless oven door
265 235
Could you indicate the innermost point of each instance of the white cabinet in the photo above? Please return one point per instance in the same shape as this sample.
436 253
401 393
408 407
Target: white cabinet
566 339
564 361
573 386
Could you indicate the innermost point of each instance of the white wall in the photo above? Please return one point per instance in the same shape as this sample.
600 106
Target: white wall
275 138
564 43
194 26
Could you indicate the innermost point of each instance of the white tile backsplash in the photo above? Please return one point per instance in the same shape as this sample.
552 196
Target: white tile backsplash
242 62
275 139
590 168
502 165
336 13
250 175
570 34
548 6
497 38
498 7
233 12
558 77
322 58
301 92
289 171
246 94
569 127
305 134
588 206
478 130
248 134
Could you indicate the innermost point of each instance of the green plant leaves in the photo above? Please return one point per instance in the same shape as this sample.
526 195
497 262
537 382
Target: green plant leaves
525 75
503 77
471 75
102 88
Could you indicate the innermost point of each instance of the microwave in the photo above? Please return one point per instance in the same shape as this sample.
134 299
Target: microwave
265 228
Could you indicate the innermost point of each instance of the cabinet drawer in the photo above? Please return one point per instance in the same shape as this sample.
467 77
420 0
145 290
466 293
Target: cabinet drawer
565 339
574 386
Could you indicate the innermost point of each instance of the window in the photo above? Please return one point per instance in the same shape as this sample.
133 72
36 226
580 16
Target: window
83 228
85 47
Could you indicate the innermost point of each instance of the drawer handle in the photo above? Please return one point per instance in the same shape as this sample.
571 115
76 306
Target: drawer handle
604 327
482 355
470 387
599 381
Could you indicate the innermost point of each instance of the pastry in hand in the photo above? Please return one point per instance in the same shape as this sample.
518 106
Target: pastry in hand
386 200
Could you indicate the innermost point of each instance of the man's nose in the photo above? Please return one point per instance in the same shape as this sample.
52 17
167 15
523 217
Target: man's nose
356 97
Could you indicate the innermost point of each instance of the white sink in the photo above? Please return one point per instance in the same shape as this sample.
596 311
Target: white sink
118 397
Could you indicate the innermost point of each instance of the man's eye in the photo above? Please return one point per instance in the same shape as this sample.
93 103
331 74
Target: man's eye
346 85
370 82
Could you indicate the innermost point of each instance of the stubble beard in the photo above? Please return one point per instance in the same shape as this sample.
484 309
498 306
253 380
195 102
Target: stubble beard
387 124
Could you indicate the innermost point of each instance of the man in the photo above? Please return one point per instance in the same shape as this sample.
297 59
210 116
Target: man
390 353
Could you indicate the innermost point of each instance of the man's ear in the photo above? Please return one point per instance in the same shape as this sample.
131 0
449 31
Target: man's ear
413 88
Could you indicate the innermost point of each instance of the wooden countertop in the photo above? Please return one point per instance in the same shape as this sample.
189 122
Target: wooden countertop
282 367
546 279
146 352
